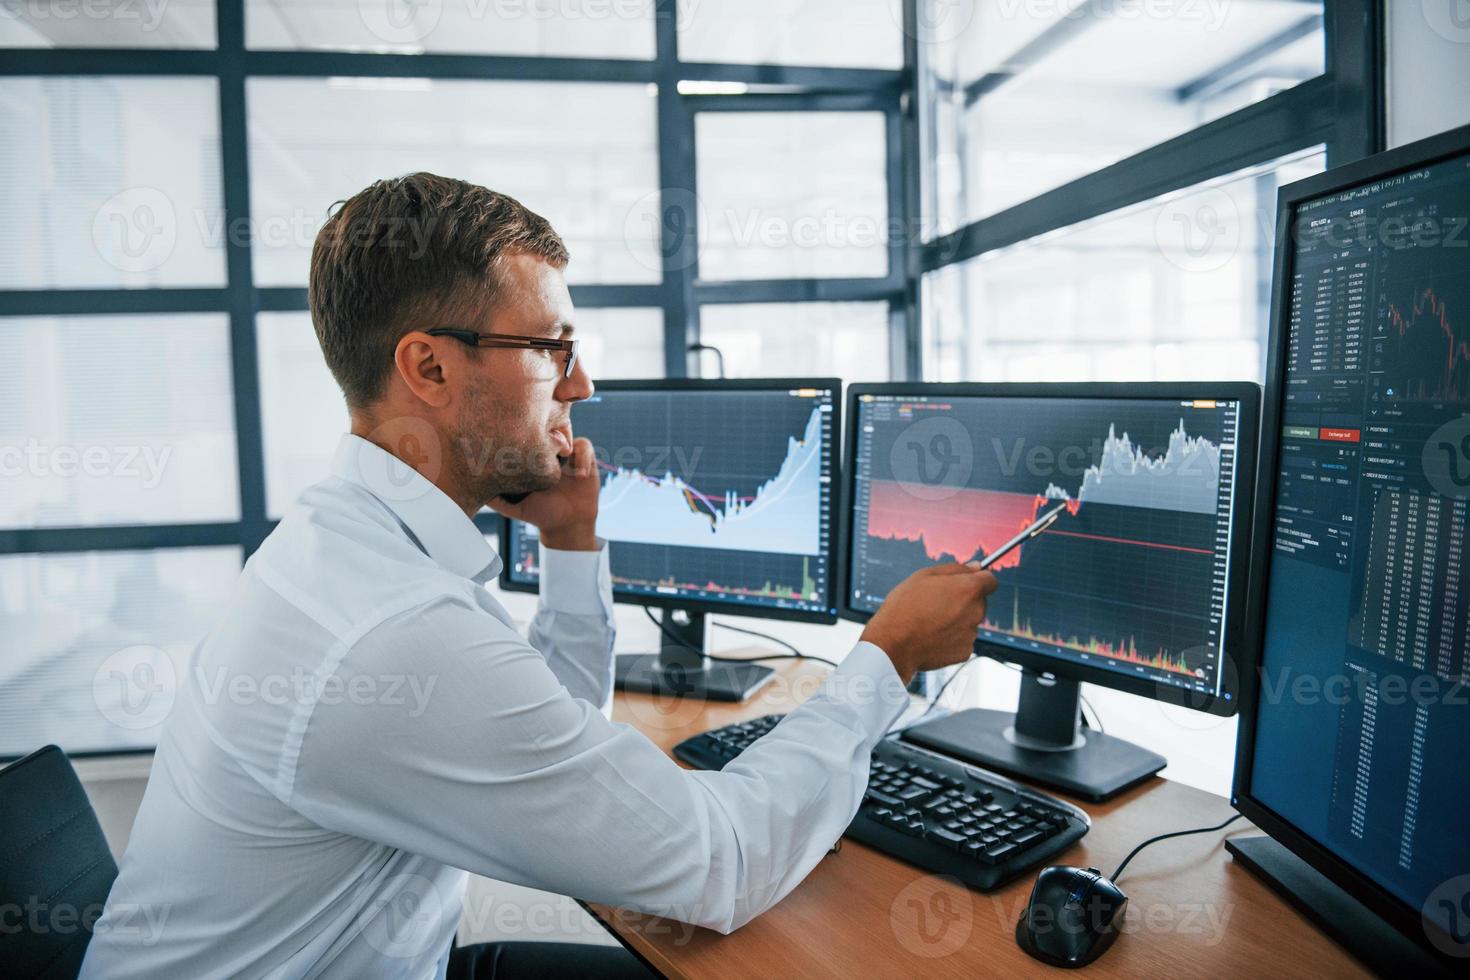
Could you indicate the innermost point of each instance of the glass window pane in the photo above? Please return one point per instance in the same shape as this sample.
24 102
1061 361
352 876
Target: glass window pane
593 174
96 643
116 420
621 343
302 413
787 195
1023 98
110 182
832 33
1174 289
567 28
846 340
107 24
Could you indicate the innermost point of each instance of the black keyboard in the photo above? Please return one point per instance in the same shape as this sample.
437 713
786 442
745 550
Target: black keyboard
931 811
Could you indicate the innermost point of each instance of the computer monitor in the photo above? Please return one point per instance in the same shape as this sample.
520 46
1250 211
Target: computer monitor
1135 587
717 496
1352 751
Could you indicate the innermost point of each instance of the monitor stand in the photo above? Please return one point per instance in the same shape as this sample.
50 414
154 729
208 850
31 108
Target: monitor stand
1385 950
1043 742
680 669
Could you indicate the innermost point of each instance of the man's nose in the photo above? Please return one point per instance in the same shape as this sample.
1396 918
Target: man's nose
578 387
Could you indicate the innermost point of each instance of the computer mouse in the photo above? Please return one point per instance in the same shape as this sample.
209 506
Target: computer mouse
1072 918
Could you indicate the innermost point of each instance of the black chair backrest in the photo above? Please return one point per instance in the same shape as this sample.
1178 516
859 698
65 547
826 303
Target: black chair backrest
55 867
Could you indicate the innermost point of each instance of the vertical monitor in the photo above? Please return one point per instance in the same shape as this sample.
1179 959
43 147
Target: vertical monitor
1355 751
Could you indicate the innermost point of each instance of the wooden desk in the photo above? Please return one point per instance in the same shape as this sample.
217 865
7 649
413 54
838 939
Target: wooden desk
1192 911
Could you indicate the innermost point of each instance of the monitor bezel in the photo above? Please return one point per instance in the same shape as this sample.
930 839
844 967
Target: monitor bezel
660 385
1404 918
1247 393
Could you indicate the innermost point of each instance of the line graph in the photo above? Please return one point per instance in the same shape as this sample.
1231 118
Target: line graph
705 500
1133 573
1184 477
666 510
1422 356
970 525
709 494
1139 544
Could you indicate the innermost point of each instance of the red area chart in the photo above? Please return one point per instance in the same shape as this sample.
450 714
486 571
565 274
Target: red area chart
967 524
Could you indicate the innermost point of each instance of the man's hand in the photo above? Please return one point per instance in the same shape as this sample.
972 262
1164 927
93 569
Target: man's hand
567 513
929 620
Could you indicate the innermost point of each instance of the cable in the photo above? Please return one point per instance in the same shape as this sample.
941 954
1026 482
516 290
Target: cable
1177 833
934 701
763 636
797 655
1097 718
719 354
1152 840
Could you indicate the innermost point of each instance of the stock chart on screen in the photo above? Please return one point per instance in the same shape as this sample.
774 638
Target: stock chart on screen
711 494
1367 582
1132 577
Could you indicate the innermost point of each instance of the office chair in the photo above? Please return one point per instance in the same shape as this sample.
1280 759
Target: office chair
55 866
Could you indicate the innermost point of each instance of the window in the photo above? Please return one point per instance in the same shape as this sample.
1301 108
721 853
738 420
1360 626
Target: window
302 413
110 181
846 340
96 643
593 175
116 420
621 343
791 194
1030 96
131 173
1171 290
779 32
57 24
568 28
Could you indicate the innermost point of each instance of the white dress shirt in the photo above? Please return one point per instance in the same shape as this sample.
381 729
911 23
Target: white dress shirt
364 725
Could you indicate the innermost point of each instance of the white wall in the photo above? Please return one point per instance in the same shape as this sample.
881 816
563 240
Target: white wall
1428 67
115 786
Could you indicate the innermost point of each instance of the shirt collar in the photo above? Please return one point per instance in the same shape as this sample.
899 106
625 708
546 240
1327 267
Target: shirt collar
434 521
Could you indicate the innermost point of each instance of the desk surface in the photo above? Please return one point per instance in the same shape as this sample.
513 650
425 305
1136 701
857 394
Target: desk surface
1192 911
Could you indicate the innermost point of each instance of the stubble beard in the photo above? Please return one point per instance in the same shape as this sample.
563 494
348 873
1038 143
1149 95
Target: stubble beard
496 453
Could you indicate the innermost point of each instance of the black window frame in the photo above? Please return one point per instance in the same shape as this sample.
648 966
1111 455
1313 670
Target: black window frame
679 294
1343 109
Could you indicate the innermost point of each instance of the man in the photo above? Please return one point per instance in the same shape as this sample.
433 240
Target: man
364 725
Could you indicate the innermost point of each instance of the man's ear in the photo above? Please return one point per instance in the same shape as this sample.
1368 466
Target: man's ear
420 361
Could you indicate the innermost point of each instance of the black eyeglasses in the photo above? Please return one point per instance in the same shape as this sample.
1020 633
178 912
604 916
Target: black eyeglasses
512 341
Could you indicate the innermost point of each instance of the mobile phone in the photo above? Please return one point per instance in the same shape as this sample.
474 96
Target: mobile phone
515 498
1042 523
